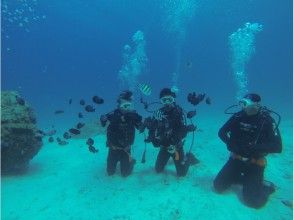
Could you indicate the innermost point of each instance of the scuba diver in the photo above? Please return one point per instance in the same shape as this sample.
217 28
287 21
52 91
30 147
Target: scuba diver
250 135
167 130
121 134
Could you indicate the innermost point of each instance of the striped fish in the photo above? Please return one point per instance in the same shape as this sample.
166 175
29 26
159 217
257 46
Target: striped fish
158 115
145 89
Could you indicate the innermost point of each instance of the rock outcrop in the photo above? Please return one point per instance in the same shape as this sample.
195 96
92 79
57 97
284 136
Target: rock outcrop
20 137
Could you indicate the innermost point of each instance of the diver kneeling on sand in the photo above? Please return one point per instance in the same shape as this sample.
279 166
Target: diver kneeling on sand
250 135
121 134
167 130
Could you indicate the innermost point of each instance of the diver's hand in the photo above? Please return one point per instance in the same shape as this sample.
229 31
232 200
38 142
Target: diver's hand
155 142
231 145
190 128
148 140
171 149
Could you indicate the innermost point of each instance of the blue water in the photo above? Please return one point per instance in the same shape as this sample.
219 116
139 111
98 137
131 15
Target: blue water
76 51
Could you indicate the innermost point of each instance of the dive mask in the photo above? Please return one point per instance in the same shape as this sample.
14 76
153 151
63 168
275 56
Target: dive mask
249 106
126 106
245 103
167 100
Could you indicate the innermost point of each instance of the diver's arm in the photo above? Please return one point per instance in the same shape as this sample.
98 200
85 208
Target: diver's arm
104 118
273 140
180 130
139 125
225 129
150 124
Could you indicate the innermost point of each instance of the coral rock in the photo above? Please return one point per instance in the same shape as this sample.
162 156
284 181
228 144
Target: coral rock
20 139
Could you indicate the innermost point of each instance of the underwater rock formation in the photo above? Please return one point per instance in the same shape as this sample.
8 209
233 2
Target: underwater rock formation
20 138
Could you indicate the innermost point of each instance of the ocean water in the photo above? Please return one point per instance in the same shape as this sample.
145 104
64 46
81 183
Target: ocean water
53 51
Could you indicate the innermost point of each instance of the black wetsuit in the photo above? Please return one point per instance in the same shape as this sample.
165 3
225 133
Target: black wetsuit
120 137
252 138
167 132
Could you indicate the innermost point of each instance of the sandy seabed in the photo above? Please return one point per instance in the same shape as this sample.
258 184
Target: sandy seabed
68 182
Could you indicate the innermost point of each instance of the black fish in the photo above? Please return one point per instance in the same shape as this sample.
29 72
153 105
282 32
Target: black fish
208 101
74 131
80 115
89 108
58 139
69 101
58 112
66 135
90 142
191 114
195 99
63 142
98 100
19 100
50 139
82 102
80 125
92 149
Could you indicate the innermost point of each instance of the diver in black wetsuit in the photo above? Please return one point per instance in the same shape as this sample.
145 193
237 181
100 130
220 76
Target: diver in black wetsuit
121 133
167 131
250 135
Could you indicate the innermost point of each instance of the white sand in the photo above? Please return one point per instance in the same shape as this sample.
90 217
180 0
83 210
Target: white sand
68 182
